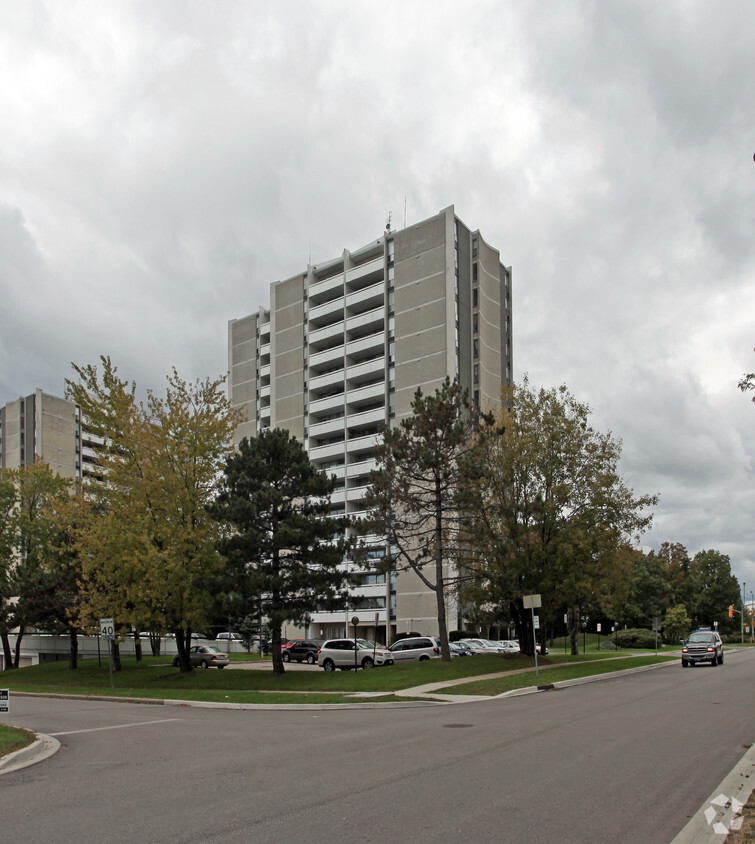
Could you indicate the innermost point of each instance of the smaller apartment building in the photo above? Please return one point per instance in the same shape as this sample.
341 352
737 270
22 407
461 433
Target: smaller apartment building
342 349
41 426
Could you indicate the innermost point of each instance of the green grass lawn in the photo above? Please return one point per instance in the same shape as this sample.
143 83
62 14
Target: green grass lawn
555 673
155 678
13 738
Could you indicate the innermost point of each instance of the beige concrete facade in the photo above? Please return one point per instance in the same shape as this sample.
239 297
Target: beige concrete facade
41 427
344 347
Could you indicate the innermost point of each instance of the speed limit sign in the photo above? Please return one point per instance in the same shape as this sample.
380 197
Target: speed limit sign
107 628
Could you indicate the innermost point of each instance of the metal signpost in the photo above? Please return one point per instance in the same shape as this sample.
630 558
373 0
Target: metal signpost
355 622
656 628
107 632
531 602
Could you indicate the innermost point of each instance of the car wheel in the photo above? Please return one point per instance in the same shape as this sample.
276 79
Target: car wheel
424 657
367 662
685 663
286 657
204 663
310 659
329 665
221 666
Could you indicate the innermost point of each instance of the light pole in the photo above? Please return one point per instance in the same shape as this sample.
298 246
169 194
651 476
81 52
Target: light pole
742 631
355 622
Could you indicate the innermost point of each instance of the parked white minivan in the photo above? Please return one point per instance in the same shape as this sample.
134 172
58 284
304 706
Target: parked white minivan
416 649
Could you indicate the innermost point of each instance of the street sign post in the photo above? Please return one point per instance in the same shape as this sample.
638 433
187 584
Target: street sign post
4 701
107 632
531 602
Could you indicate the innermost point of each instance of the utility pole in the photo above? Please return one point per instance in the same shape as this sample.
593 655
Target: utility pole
743 613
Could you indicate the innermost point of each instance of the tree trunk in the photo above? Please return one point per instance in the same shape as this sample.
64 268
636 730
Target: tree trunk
17 655
572 623
278 666
115 655
183 641
440 598
523 623
73 650
155 643
7 655
138 646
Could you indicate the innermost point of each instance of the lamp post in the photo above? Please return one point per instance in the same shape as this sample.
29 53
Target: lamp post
355 622
742 631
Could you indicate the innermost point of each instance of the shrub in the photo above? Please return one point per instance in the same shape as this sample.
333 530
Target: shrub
410 635
637 637
455 635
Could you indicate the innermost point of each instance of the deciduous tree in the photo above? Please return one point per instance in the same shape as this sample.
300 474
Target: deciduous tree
677 624
7 546
148 547
553 516
34 527
747 382
714 588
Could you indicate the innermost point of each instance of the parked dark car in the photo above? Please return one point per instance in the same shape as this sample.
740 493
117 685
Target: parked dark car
305 651
703 646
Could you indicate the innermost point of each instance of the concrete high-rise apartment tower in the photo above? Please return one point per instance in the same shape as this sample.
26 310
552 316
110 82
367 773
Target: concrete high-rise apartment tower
343 348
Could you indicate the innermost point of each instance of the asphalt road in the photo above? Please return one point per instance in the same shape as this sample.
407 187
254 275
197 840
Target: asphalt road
623 760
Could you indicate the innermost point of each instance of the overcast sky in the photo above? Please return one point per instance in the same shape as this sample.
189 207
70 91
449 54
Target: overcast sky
162 163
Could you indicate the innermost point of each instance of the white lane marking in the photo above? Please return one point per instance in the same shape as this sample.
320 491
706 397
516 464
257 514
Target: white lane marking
114 727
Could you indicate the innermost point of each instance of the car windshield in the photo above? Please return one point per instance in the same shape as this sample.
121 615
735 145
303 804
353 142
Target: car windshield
365 643
210 650
701 637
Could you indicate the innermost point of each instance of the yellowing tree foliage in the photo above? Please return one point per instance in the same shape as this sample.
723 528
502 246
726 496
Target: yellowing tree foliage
147 547
553 516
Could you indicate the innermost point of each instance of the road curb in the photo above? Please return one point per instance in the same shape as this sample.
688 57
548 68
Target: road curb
43 747
713 819
579 681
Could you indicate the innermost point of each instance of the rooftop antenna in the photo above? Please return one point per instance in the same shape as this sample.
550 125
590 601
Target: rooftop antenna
388 223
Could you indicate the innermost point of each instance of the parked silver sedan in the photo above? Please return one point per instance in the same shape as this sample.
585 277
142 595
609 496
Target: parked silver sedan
206 656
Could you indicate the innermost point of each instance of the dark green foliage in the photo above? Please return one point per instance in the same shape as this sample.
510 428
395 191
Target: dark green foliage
424 465
455 635
399 636
281 542
636 638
